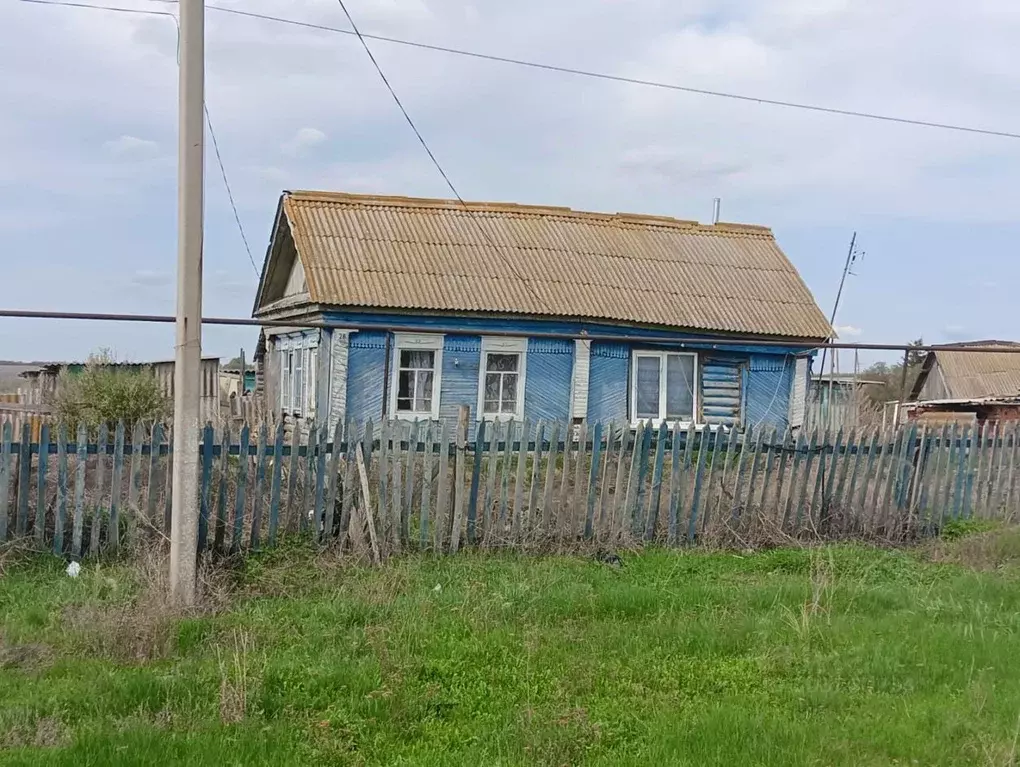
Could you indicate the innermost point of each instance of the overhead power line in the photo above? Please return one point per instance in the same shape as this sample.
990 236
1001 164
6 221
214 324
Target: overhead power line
400 105
208 118
615 78
570 70
226 184
421 139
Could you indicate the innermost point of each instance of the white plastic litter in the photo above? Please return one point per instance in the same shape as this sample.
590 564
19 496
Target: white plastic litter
438 588
73 569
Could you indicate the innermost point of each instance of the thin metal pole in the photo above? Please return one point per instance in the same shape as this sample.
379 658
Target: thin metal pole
827 404
188 350
835 305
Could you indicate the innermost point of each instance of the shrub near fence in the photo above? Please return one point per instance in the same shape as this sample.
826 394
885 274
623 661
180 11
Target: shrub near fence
439 486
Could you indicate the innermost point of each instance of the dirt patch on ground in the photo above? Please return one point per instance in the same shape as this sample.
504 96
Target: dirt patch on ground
44 732
24 657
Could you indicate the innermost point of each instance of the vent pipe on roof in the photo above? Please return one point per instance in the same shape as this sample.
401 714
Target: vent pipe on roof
716 203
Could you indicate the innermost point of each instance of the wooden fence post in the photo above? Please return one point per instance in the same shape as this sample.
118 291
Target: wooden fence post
24 477
40 490
476 474
60 515
79 490
443 491
458 481
5 475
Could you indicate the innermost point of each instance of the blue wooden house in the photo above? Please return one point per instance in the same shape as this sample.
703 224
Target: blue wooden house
528 312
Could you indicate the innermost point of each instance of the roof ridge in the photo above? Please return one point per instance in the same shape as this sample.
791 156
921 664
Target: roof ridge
988 342
645 219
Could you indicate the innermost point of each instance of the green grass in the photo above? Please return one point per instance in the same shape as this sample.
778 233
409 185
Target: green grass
834 656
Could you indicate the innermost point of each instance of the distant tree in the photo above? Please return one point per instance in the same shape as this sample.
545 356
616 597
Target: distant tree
915 357
893 386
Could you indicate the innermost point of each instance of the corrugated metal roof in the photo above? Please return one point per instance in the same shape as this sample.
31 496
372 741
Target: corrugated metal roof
973 375
402 253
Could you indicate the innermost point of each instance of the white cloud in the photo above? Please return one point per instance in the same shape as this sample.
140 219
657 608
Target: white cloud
303 140
847 331
130 146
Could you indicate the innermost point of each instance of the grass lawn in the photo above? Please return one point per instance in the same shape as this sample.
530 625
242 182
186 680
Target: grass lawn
835 656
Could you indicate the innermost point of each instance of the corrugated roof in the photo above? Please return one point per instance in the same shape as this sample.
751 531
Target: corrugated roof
972 375
402 253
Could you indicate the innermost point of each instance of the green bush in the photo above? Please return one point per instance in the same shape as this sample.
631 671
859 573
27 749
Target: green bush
103 393
956 529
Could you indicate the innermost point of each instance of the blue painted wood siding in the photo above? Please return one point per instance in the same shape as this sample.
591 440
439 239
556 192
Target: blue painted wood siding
547 382
721 389
459 383
366 375
609 381
769 381
734 388
525 327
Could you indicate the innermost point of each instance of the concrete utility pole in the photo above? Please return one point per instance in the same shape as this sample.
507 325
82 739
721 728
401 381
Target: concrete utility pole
188 351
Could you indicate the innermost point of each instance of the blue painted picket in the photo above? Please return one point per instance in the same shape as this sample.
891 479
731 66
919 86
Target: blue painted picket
515 484
43 448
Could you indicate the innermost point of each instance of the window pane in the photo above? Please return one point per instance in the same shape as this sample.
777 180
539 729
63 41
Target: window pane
680 387
423 392
502 362
509 393
285 381
491 404
298 380
646 398
410 358
405 383
309 402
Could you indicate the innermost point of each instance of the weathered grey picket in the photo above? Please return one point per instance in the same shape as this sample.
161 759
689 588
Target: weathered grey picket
444 486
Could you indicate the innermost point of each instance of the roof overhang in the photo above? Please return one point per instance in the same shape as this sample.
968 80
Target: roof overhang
278 221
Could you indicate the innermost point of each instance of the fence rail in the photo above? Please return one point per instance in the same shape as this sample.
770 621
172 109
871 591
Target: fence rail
442 486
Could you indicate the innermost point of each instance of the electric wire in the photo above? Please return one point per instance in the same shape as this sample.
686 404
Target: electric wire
606 76
421 139
205 106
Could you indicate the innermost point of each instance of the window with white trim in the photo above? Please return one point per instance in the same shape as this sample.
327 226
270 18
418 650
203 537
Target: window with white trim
297 395
417 368
286 368
297 374
501 378
663 387
310 365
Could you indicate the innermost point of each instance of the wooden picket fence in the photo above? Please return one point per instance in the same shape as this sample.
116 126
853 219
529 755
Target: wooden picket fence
439 486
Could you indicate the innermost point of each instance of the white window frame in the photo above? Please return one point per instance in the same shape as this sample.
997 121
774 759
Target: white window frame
297 387
310 380
286 378
416 342
501 345
300 404
662 357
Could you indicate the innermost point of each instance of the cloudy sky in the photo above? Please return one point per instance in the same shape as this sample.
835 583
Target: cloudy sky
88 142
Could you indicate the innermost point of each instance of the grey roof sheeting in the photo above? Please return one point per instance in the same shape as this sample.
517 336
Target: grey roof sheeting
441 255
975 375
